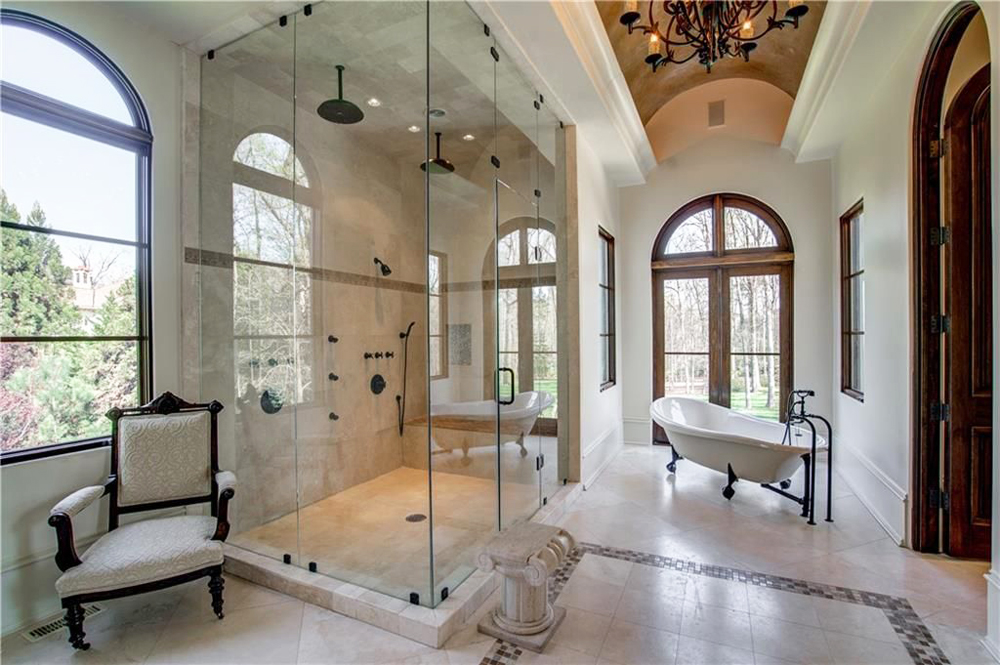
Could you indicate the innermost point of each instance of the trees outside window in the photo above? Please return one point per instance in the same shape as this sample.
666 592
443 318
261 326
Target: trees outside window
722 276
75 235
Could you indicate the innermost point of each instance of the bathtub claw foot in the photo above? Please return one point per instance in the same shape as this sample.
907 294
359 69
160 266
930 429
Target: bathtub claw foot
672 466
728 490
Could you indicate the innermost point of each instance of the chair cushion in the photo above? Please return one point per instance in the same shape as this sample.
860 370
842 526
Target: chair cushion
144 552
164 457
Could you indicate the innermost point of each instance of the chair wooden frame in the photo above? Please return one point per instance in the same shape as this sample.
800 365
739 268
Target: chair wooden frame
66 555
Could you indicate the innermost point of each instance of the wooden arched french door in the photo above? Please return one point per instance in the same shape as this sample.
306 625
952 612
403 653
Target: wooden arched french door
722 306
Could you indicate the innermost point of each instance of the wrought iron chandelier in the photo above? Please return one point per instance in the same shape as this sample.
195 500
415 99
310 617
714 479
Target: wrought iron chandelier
708 29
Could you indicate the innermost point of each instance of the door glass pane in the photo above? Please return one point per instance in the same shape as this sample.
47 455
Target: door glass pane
544 321
857 285
754 311
686 375
755 386
685 314
745 230
694 234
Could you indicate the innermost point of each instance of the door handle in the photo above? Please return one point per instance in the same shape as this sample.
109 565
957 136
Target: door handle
513 389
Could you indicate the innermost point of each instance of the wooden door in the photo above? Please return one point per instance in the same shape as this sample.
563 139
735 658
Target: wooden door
968 352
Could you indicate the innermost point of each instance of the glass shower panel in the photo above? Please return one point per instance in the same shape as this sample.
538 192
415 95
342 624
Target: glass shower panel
364 500
250 252
549 326
462 306
518 450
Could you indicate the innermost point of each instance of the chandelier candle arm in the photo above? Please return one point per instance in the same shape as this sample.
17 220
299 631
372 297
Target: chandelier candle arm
707 29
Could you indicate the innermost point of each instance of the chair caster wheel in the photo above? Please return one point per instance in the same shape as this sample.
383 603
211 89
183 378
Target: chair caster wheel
785 484
672 467
729 493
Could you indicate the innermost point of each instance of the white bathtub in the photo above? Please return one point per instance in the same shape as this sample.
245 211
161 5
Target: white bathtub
719 438
455 425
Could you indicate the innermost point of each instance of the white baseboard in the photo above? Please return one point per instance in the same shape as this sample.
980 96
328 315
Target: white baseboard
878 493
991 642
636 431
598 449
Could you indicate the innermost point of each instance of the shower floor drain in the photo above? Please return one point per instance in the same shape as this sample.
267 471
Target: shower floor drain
416 517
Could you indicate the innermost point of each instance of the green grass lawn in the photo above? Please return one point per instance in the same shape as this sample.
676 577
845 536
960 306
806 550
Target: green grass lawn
758 403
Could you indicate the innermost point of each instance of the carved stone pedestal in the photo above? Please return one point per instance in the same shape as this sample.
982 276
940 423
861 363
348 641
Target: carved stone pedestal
525 554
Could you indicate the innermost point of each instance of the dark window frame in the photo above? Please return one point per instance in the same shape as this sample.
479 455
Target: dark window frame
137 138
849 384
608 335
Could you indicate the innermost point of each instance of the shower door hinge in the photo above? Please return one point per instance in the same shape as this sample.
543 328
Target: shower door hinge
538 254
538 193
940 323
211 54
940 235
486 30
495 161
495 53
940 412
283 21
307 10
414 598
539 462
939 499
538 107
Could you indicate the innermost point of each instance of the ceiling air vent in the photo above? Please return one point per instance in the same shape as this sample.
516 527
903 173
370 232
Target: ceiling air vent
717 113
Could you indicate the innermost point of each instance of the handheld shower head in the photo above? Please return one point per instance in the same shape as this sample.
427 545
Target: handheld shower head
404 335
386 270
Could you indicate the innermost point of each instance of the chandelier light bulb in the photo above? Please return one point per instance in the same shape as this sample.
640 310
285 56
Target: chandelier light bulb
746 30
655 46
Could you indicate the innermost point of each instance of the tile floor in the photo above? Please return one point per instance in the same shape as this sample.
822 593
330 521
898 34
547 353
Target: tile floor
649 587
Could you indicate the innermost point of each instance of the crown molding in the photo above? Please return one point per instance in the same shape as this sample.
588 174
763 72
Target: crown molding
583 25
837 33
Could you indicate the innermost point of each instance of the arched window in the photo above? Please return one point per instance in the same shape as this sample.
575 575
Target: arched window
722 280
273 230
75 221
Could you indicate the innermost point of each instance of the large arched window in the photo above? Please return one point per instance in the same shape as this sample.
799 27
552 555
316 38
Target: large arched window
273 229
722 280
75 220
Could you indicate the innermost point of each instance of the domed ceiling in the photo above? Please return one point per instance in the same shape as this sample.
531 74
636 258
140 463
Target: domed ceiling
780 59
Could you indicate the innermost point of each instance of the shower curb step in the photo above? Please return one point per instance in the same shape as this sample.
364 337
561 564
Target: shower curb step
428 626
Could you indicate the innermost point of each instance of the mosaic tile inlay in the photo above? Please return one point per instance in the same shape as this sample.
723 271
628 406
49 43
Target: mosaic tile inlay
912 632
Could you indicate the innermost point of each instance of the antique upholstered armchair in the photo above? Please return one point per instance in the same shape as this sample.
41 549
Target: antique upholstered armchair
163 455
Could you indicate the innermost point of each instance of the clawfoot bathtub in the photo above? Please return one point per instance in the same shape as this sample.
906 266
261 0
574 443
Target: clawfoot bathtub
456 424
742 446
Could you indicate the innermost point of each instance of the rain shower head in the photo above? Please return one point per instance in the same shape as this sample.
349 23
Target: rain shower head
386 270
340 110
438 164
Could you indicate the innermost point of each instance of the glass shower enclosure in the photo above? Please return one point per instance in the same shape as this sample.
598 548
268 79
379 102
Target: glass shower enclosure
381 221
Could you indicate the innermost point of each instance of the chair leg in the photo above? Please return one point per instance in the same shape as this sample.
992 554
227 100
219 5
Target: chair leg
215 586
74 619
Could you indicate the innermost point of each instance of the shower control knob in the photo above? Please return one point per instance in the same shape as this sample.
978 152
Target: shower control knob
333 377
378 354
334 416
332 339
390 354
368 355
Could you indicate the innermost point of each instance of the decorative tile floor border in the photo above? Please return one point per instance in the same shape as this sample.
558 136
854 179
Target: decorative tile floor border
909 627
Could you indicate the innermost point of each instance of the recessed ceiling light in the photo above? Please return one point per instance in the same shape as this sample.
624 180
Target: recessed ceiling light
374 103
413 129
468 137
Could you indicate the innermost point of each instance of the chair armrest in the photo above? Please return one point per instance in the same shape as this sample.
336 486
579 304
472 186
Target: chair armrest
61 519
225 481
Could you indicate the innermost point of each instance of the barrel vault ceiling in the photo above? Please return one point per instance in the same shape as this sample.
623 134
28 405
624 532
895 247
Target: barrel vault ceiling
780 60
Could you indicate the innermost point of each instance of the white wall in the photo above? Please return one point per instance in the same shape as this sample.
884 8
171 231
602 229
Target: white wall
799 193
30 489
600 411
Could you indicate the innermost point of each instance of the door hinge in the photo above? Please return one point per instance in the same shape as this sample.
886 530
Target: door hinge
939 500
940 323
940 235
495 54
938 148
538 254
940 412
539 462
495 161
